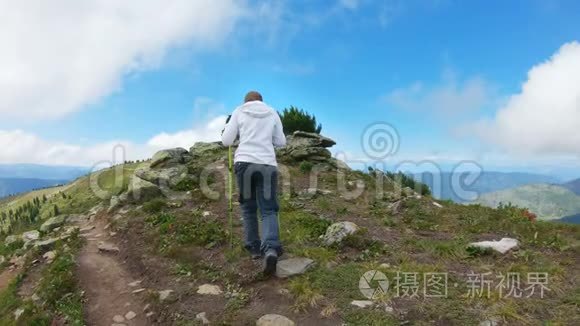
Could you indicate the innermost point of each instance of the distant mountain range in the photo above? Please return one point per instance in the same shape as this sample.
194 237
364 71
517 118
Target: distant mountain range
543 195
573 186
574 219
452 186
17 178
12 186
549 202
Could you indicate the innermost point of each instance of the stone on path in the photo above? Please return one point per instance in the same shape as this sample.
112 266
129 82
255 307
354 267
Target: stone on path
134 284
274 320
130 315
293 266
502 246
107 247
202 317
118 319
209 289
164 295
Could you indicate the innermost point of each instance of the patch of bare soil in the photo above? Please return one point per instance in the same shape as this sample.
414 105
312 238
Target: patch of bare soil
104 278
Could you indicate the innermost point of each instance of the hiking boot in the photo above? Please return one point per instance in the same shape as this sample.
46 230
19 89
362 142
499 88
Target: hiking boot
256 254
270 262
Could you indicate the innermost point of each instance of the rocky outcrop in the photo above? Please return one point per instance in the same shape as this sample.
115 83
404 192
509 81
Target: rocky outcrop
306 146
337 232
201 149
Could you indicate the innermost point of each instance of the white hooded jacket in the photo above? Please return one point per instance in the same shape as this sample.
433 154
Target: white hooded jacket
259 128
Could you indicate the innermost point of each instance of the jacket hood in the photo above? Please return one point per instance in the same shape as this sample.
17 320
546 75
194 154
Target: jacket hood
257 109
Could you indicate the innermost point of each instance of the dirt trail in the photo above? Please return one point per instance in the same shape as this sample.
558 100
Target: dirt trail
6 277
105 281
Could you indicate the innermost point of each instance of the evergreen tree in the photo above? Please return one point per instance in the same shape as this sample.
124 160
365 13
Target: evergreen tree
294 119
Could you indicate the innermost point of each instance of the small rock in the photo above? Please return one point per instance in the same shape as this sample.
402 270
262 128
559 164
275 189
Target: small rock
117 324
202 317
502 246
274 320
35 297
293 266
18 313
2 259
107 247
134 284
385 266
138 291
338 231
164 295
30 236
49 256
209 289
118 319
147 308
130 315
149 314
206 214
436 204
362 303
389 309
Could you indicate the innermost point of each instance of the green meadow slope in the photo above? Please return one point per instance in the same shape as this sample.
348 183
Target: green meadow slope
177 242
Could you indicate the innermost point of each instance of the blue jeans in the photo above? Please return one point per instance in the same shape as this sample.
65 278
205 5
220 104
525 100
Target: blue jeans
258 185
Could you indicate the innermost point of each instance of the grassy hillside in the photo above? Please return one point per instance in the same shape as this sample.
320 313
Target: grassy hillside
180 244
547 201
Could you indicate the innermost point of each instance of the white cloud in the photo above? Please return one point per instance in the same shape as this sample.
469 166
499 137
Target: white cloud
23 147
544 118
452 97
58 56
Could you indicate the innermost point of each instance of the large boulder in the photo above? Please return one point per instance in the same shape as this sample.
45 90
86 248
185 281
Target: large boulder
170 157
53 223
338 231
166 177
200 149
141 190
301 146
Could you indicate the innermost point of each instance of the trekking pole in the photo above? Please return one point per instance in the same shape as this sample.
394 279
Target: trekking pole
230 195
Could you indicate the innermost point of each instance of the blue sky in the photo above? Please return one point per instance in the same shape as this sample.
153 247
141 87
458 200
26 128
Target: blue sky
86 77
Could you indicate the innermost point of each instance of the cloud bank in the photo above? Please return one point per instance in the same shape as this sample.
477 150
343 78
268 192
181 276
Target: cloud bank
59 56
544 118
32 148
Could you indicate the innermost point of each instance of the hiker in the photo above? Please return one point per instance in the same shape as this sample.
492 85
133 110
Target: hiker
259 129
